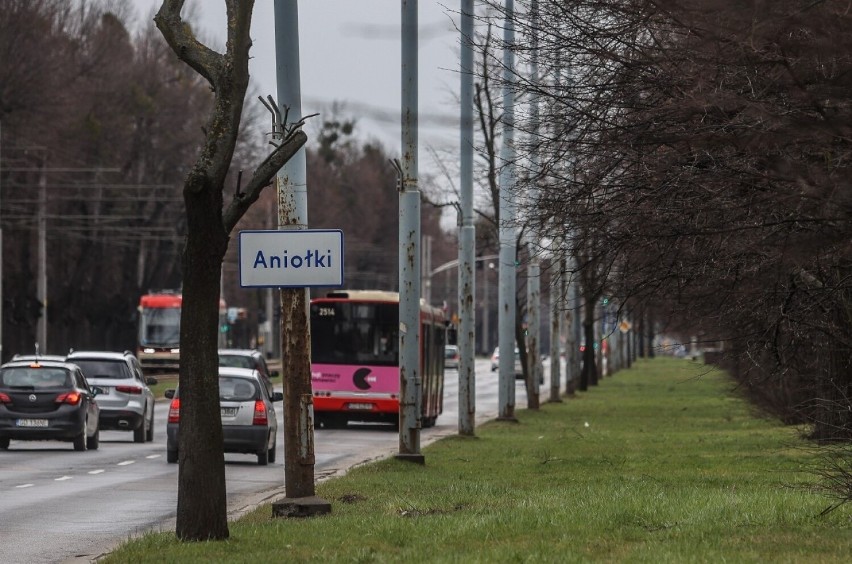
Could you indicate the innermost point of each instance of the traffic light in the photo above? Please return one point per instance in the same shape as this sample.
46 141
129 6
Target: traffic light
605 300
224 328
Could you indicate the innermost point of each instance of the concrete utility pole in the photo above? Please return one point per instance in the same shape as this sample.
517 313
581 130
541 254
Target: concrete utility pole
409 249
534 369
299 459
557 290
1 244
506 291
41 276
467 233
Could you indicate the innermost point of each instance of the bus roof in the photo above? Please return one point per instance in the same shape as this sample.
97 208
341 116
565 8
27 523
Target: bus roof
161 300
362 295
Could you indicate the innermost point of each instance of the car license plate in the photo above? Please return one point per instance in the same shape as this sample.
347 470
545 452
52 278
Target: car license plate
360 406
31 423
229 411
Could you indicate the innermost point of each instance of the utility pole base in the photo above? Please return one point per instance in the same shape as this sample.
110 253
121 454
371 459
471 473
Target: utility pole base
416 458
301 507
508 418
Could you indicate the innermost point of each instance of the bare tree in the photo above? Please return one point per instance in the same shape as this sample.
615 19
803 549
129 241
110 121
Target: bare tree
202 507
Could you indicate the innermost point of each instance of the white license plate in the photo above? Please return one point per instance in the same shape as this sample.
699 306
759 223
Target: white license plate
229 411
31 422
359 406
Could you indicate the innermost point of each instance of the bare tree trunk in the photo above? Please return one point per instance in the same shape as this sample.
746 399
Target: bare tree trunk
202 504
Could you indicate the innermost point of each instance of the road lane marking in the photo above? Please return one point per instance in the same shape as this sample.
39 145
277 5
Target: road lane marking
154 456
126 462
97 471
25 486
63 478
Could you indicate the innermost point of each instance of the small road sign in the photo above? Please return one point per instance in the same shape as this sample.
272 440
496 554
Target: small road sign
291 258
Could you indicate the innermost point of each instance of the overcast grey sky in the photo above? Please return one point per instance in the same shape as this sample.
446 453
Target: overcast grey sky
350 54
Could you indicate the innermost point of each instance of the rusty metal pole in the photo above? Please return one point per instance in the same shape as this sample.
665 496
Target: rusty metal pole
409 249
299 459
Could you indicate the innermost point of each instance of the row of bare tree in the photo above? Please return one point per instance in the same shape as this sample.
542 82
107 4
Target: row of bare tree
97 110
694 158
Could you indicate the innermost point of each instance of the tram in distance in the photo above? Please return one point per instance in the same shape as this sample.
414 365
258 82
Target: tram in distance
355 358
159 330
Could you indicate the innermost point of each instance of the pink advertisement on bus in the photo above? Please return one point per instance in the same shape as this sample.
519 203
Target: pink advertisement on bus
348 378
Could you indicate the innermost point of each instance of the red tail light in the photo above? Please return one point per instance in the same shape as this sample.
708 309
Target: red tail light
129 389
260 417
71 398
4 398
174 411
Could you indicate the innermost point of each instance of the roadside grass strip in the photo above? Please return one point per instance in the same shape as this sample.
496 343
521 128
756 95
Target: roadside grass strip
660 463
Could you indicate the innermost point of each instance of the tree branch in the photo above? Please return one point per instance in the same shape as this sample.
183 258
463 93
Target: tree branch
261 178
180 38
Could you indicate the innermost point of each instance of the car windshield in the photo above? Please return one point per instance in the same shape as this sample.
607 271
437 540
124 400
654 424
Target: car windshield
236 389
34 378
450 352
236 361
114 370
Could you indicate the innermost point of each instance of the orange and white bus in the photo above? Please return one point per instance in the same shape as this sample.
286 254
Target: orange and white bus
355 358
159 330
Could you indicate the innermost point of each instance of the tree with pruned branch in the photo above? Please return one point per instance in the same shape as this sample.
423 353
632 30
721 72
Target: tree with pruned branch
202 507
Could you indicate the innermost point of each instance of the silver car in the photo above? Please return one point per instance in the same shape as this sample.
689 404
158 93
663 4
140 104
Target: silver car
126 401
249 423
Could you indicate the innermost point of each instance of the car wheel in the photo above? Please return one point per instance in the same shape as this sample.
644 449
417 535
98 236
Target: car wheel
4 443
319 420
149 434
263 457
139 432
95 440
80 441
171 456
272 455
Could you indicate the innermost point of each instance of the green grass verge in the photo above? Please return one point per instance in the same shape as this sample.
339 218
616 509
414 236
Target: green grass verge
164 382
661 463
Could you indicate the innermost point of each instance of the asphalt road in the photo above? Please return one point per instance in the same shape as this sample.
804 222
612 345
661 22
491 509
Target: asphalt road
58 505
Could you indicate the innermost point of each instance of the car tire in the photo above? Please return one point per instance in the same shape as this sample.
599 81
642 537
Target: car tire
171 456
94 441
139 432
4 443
149 433
80 441
263 458
272 455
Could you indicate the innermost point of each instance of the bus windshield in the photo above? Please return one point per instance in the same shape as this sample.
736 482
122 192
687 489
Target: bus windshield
160 327
355 333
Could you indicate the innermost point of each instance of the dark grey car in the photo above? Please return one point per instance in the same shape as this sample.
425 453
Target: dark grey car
249 422
47 401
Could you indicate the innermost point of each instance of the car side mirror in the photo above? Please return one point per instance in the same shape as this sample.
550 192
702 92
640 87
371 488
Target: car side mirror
277 396
170 393
96 391
151 381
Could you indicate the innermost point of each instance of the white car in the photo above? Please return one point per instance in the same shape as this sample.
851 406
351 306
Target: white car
451 356
249 423
495 362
